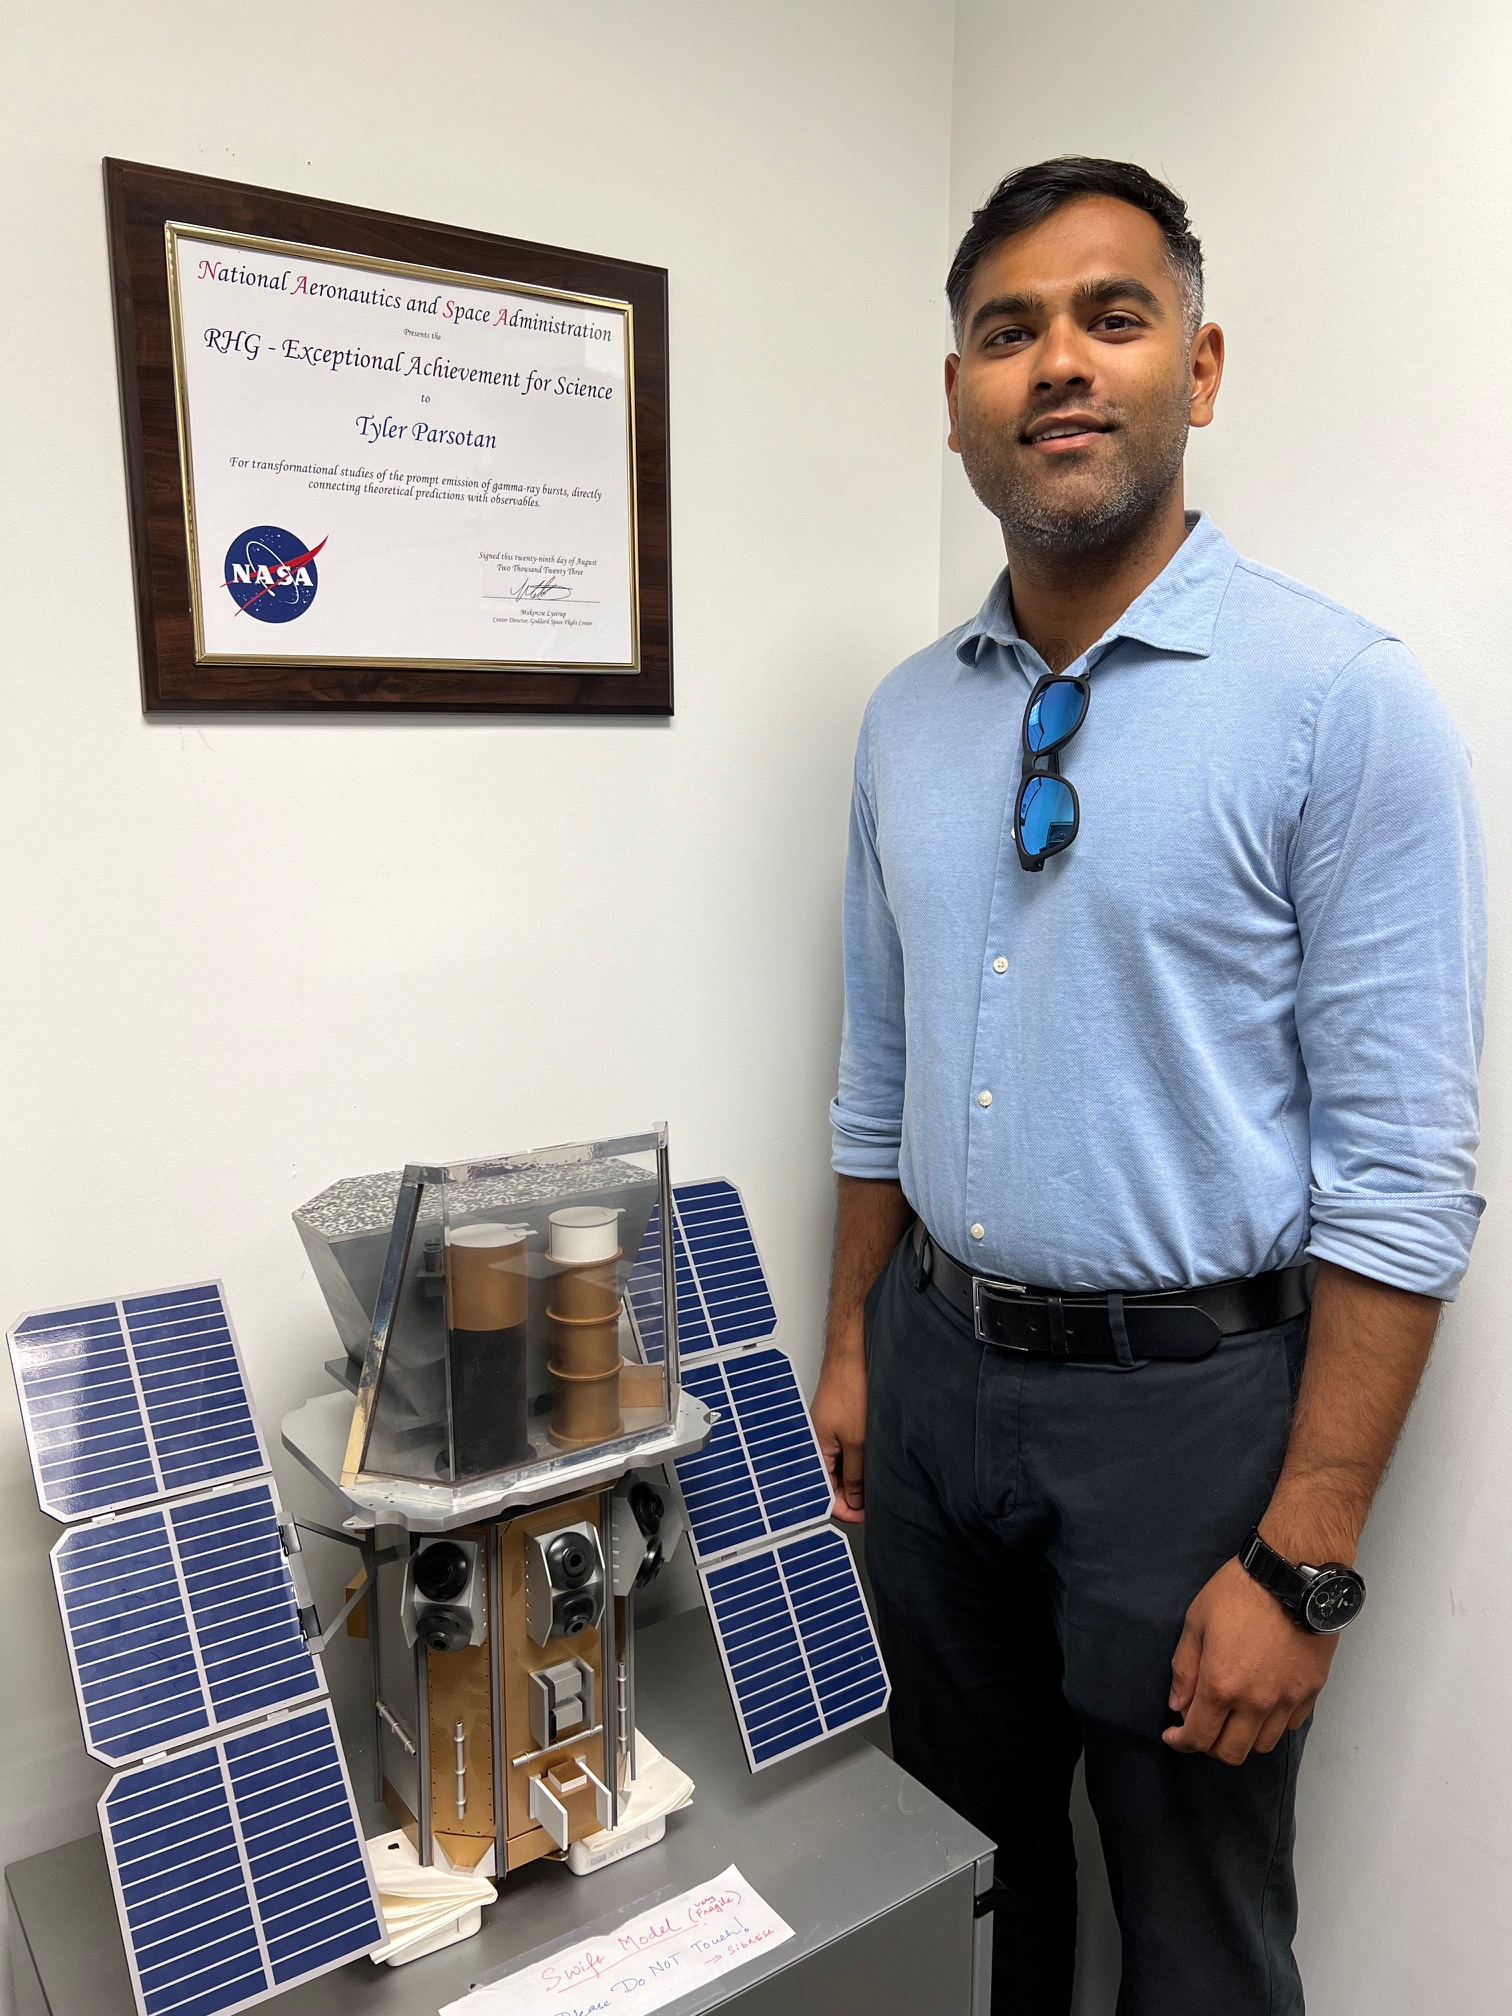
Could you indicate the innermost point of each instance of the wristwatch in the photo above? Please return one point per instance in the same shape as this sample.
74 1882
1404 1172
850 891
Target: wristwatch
1321 1599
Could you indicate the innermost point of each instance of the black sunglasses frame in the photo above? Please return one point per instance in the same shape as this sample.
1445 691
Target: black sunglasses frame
1045 762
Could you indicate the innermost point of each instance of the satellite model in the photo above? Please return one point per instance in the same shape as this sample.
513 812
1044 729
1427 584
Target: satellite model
554 1363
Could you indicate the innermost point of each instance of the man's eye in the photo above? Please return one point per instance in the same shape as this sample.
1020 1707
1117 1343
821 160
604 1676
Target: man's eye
1117 322
1000 338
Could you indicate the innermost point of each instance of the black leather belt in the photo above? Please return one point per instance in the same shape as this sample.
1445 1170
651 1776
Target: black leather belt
1112 1329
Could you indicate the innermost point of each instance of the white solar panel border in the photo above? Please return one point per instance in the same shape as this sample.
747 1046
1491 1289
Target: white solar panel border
160 1491
210 1726
216 1747
720 1359
827 1729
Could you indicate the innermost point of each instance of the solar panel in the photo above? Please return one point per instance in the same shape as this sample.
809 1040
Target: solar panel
126 1401
238 1862
722 1294
782 1591
239 1868
760 1473
181 1619
726 1263
797 1644
644 1291
719 1491
835 1628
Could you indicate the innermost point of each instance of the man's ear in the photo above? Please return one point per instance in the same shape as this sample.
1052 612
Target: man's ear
952 381
1207 372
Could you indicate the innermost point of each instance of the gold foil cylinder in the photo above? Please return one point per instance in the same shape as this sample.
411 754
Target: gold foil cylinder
486 1283
586 1291
581 1345
585 1407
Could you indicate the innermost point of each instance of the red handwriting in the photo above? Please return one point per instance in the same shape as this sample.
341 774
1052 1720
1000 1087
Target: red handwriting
587 1968
712 1905
722 1953
637 1940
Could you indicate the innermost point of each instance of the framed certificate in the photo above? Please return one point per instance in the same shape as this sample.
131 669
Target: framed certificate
383 464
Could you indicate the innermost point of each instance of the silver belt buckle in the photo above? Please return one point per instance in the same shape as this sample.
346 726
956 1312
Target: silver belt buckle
978 1283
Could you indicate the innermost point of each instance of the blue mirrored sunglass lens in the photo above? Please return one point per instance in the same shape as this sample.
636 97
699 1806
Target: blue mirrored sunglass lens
1047 814
1055 714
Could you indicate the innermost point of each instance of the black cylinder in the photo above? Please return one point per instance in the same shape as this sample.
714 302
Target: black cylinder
486 1373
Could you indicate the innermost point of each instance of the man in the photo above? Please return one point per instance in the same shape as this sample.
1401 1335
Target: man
1164 949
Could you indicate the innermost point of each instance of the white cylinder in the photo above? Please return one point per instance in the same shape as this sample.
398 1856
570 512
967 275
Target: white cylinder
584 1232
486 1235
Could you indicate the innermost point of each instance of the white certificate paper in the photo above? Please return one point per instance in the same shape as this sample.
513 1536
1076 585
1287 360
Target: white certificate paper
384 464
643 1964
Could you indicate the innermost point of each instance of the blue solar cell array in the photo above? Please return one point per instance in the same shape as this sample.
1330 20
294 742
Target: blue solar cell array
760 1474
83 1414
198 1412
644 1289
138 1681
775 1701
179 1620
181 1886
835 1628
719 1491
133 1400
725 1260
309 1870
239 1868
238 1863
797 1644
242 1600
779 1439
722 1294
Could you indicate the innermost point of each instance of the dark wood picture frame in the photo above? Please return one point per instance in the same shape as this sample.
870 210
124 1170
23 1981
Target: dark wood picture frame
140 200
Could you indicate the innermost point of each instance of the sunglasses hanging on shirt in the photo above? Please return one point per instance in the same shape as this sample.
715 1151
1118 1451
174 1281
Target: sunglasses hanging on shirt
1047 814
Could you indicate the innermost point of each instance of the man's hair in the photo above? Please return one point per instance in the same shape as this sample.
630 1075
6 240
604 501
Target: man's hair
1029 195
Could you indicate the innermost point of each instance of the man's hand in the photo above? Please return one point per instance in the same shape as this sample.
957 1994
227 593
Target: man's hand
870 1219
1244 1673
839 1414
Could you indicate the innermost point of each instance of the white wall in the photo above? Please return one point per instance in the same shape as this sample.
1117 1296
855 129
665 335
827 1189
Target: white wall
1348 168
245 958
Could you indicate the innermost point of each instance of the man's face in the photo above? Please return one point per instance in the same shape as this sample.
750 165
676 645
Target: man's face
1076 382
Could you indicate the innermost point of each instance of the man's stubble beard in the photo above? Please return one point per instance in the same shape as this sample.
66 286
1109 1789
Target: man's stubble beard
1154 445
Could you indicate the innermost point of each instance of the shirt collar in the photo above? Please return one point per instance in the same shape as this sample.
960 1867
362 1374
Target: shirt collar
1177 612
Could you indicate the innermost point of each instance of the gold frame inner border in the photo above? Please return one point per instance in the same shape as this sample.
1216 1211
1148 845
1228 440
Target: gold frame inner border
173 232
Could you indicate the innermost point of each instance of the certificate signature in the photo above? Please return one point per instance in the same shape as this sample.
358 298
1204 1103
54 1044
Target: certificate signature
534 587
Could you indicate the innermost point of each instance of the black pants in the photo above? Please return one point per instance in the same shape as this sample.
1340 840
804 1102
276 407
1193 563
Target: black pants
1034 1534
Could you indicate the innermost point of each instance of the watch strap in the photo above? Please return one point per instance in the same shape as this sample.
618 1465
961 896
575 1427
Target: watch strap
1285 1581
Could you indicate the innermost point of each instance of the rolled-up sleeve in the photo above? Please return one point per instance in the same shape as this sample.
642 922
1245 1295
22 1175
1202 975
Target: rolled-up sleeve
866 1115
1387 877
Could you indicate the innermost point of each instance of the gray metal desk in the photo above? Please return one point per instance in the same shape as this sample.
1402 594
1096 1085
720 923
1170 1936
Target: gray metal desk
876 1877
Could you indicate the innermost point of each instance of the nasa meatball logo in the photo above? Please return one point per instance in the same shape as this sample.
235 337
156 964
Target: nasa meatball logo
270 574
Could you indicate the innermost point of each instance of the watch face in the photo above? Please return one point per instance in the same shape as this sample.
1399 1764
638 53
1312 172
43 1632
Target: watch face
1336 1598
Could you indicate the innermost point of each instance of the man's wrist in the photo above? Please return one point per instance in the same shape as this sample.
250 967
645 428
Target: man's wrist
845 1340
1320 1520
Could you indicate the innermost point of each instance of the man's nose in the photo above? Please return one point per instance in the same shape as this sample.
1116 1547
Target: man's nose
1063 357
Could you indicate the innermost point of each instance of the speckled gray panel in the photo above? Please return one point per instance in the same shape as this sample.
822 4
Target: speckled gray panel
360 1204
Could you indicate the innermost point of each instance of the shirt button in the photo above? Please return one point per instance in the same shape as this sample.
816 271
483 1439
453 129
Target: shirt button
1000 964
979 1231
984 1098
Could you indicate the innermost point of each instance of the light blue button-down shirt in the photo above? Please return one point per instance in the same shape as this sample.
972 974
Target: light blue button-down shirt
1239 1018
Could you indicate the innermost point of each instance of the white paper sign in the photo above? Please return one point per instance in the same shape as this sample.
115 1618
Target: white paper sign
386 465
645 1963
